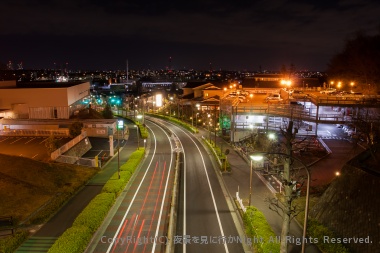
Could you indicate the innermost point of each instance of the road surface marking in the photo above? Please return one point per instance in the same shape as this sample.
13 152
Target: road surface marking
211 191
136 192
30 140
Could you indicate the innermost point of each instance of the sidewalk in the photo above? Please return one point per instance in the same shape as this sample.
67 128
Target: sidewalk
43 238
238 180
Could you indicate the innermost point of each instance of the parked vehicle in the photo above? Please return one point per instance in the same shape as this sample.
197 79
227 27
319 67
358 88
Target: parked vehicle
273 96
328 91
299 94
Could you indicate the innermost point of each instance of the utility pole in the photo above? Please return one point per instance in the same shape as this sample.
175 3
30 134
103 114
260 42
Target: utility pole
288 187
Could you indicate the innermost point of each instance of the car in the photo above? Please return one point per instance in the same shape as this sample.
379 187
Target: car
274 96
299 94
328 91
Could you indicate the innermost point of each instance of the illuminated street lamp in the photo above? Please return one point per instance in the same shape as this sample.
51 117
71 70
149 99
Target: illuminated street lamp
170 106
120 123
253 158
259 156
139 117
138 137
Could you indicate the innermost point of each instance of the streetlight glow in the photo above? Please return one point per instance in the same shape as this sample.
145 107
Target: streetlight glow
258 157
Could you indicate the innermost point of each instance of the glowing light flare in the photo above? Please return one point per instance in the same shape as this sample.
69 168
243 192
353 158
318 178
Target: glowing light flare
159 100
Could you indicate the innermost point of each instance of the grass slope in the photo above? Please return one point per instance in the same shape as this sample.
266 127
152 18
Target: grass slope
26 184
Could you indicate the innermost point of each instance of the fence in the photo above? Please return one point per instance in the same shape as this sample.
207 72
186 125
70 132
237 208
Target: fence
30 132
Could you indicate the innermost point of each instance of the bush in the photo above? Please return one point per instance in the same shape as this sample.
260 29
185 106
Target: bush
217 154
317 230
257 228
115 185
11 243
73 240
95 212
176 121
76 238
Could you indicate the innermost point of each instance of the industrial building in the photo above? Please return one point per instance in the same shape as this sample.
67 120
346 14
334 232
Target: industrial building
42 100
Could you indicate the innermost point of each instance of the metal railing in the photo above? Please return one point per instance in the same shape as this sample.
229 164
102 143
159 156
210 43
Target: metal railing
30 132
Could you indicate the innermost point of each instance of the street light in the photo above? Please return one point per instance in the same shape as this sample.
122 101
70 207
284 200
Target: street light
170 106
339 85
260 155
120 124
253 158
138 138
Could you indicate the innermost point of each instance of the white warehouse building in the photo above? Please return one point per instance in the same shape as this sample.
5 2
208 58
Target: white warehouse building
42 100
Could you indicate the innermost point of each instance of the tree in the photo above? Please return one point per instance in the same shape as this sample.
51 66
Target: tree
107 112
358 62
75 129
51 144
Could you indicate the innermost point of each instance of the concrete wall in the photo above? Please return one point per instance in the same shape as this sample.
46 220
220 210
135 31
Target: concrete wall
38 97
11 83
77 92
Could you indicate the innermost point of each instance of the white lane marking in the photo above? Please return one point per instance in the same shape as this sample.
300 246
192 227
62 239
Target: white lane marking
163 196
35 156
211 191
43 140
134 196
30 140
16 140
4 139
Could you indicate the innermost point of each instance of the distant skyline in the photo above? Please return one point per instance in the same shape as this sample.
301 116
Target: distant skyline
229 35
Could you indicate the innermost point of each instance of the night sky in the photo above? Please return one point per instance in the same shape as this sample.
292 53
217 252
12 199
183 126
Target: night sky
232 35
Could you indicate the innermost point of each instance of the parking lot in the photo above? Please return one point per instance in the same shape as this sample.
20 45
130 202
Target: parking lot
31 147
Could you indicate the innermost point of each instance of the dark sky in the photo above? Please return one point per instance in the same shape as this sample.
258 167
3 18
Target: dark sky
233 35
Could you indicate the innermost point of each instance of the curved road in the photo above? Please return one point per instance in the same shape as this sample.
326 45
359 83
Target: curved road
205 223
138 221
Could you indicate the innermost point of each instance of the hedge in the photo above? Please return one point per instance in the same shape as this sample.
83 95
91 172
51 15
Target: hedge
116 186
73 240
317 230
11 243
76 238
258 229
176 121
218 154
95 212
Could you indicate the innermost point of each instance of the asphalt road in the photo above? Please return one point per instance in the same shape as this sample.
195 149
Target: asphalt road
138 222
205 223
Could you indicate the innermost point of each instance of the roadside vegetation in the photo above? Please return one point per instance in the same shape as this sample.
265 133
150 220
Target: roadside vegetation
263 238
76 238
32 191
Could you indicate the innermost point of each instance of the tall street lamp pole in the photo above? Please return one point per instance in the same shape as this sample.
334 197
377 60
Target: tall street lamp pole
257 157
253 158
138 138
